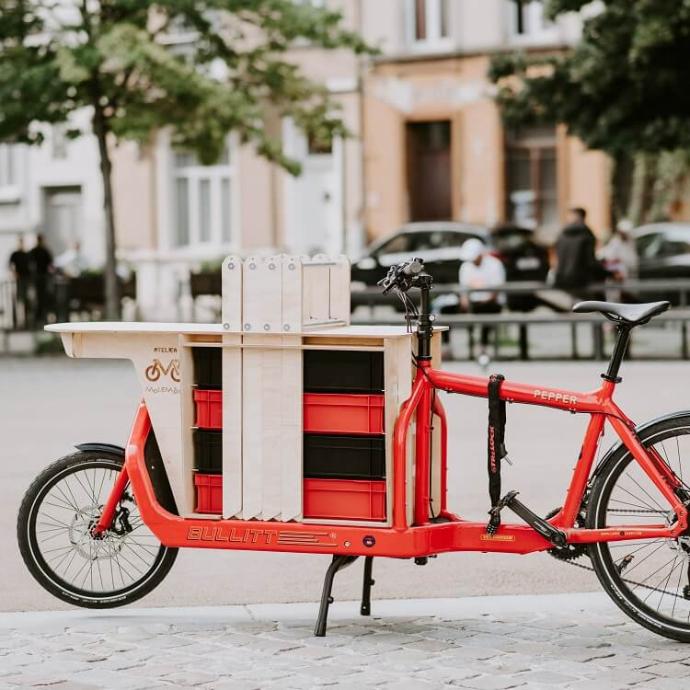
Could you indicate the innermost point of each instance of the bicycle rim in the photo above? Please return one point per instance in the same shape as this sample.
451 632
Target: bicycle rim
648 578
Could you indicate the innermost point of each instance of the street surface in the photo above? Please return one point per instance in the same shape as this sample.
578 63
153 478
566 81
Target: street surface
48 404
481 643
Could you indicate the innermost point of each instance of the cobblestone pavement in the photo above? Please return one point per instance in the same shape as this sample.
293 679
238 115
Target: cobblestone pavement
485 643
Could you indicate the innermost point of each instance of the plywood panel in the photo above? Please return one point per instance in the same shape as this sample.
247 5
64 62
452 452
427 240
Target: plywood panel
340 289
261 295
252 433
232 425
291 432
292 285
398 385
185 471
231 277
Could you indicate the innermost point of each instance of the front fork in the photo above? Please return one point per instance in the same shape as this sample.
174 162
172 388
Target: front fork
105 522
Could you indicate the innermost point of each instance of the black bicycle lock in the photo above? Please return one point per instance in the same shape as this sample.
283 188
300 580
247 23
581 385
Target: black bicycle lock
496 449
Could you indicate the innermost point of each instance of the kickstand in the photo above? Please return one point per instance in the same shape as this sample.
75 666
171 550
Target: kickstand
338 563
365 608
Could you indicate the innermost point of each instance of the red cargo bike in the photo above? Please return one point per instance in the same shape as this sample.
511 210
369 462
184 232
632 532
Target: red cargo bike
99 529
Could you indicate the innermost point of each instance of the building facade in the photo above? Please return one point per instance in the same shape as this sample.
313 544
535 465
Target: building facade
54 189
427 143
435 147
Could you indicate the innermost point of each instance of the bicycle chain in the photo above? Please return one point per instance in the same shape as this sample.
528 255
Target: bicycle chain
570 559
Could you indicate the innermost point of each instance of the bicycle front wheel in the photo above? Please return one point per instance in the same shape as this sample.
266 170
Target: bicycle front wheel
55 539
648 579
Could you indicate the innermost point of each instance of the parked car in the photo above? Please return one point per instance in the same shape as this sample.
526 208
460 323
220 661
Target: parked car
663 250
439 244
523 258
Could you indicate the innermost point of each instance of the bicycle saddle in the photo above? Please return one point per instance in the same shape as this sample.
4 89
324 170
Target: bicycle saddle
629 314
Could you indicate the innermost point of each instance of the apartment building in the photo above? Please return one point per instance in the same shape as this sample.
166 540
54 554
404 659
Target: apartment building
427 143
54 189
435 147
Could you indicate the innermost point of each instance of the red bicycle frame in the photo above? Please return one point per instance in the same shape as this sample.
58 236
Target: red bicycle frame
423 537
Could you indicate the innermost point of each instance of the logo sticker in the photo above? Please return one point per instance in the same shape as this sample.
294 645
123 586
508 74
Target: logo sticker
157 369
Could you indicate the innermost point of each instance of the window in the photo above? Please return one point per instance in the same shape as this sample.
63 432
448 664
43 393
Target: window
527 19
8 165
428 22
532 192
59 141
203 204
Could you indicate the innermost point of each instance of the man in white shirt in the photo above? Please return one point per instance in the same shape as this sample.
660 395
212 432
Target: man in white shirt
481 270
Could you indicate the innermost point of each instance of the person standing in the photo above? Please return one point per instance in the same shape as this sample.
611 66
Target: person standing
41 262
577 266
619 255
481 273
21 272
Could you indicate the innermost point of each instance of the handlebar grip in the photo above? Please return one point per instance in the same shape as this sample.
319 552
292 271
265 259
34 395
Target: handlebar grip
413 268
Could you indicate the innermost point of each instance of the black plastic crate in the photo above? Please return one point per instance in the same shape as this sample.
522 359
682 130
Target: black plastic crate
208 451
343 371
208 367
344 457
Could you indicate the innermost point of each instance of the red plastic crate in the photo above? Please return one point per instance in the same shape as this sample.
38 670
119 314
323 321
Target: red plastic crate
325 413
209 409
344 499
209 493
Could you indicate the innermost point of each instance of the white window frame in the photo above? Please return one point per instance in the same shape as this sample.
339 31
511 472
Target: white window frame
434 39
195 175
537 29
9 173
8 166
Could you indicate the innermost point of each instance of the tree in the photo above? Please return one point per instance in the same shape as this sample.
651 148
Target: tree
118 58
622 89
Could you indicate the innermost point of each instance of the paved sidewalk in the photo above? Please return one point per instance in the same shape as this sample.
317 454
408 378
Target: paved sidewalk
485 643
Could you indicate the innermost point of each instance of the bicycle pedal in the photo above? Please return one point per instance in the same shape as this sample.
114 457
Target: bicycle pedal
538 524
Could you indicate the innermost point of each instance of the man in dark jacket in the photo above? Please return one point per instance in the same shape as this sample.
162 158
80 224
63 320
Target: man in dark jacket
577 265
41 261
21 271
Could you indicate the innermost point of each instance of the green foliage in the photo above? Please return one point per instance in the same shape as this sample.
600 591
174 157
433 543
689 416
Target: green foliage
622 89
201 67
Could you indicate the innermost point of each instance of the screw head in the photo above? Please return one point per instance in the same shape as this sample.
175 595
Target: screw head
267 327
271 267
231 266
286 326
247 327
226 326
252 266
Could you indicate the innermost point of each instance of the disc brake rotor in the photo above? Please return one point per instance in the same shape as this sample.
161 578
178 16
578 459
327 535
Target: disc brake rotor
84 543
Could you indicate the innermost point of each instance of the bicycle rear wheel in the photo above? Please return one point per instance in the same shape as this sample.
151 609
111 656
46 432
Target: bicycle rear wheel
648 579
54 534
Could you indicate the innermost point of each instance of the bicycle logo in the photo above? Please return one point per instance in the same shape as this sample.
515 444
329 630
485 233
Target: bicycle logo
157 369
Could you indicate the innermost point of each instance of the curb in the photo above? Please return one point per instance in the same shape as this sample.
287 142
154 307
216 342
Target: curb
465 607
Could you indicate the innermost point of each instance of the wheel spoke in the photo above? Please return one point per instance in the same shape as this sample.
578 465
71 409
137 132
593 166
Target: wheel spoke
648 572
65 515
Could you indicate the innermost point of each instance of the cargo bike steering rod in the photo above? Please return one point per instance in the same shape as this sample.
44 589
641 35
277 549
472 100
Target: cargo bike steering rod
400 279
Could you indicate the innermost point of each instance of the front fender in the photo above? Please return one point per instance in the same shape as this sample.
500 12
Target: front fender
101 448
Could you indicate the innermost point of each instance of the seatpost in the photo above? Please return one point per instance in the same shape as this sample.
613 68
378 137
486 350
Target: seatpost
425 326
618 353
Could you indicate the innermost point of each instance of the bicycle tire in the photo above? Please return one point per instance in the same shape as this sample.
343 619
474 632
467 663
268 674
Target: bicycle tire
35 559
610 574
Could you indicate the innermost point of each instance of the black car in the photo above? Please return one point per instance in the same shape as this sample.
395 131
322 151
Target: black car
523 258
438 243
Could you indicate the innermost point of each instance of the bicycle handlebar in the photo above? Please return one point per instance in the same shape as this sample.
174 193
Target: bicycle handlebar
401 275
